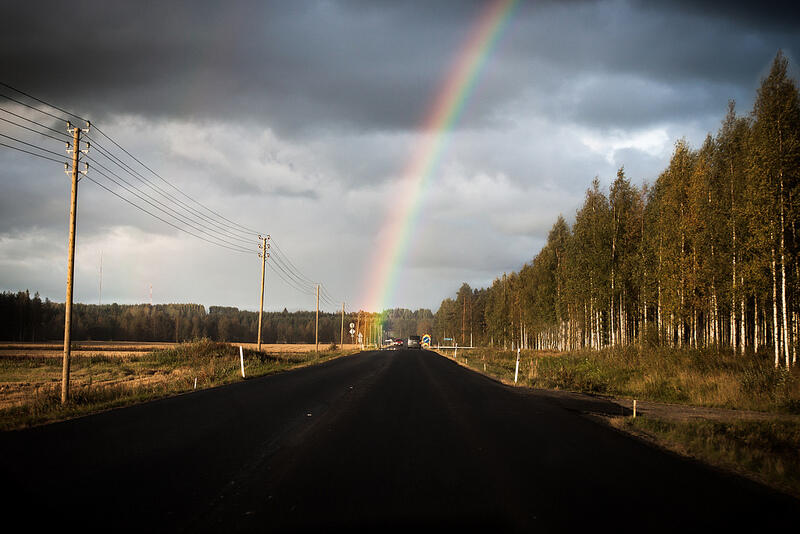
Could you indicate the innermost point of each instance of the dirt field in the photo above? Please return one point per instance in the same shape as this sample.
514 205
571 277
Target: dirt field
31 370
79 348
128 348
290 347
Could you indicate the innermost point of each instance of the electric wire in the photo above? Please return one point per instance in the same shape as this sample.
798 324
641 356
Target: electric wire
324 294
33 122
286 270
288 281
216 239
101 132
240 250
32 130
225 229
286 256
31 153
32 145
323 290
279 261
33 107
42 101
183 218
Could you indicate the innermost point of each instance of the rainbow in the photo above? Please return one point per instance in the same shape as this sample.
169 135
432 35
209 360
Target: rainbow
443 113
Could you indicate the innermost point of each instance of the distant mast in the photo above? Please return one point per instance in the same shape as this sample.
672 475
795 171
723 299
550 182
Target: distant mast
100 291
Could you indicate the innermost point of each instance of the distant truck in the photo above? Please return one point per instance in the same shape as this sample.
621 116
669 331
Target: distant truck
413 342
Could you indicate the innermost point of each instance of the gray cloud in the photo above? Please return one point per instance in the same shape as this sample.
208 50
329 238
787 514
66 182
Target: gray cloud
300 118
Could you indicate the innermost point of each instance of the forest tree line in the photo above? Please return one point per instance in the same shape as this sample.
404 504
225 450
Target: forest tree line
29 318
708 255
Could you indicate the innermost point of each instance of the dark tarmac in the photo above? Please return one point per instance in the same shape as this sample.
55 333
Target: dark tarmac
394 440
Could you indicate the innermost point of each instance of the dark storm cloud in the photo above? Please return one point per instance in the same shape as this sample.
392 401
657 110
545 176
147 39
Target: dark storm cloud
310 66
301 63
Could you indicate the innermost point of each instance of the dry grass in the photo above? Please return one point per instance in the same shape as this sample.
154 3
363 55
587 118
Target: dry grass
702 378
291 348
83 348
30 384
128 348
766 451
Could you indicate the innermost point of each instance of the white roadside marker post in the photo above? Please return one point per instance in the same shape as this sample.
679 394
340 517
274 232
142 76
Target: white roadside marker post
455 353
634 408
241 359
516 370
195 382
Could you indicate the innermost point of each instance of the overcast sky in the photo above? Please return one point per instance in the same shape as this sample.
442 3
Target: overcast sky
298 119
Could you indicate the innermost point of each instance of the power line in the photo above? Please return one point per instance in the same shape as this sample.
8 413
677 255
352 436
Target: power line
221 228
31 153
34 122
324 294
137 160
286 256
31 145
160 218
165 206
280 263
32 130
228 230
43 102
34 108
217 241
173 186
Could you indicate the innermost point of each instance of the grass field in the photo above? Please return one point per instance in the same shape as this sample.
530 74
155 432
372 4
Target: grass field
767 451
701 378
108 375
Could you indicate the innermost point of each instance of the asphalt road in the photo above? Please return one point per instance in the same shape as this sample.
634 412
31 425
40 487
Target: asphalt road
380 440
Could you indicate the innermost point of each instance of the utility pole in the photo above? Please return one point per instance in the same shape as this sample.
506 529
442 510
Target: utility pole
358 324
73 213
264 246
341 339
317 329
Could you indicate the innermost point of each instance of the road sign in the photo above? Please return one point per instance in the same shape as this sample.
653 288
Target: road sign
352 325
352 331
426 340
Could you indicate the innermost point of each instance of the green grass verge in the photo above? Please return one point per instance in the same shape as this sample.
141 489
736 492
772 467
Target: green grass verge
766 450
696 377
102 382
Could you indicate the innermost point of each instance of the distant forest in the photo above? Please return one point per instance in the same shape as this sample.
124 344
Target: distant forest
709 255
29 318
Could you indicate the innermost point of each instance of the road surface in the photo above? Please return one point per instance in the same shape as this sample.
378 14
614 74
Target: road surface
379 440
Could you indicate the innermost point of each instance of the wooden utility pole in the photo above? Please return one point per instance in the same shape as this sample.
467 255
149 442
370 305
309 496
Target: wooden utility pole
264 246
317 329
73 213
341 339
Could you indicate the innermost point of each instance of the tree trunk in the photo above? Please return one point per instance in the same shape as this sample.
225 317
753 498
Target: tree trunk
775 311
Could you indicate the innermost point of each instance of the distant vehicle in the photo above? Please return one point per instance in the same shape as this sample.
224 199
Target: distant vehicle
393 343
413 342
